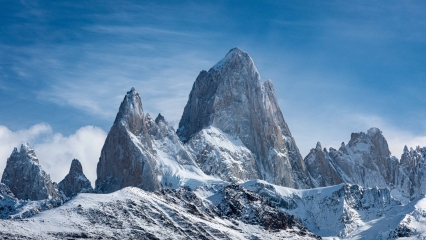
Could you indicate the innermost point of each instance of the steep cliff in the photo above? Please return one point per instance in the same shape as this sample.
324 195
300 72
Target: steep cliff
231 104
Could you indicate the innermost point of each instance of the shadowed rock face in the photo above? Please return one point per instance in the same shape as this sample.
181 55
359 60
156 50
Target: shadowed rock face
321 170
232 98
75 181
127 155
25 177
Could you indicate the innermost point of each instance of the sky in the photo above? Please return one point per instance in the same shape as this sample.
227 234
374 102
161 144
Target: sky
337 67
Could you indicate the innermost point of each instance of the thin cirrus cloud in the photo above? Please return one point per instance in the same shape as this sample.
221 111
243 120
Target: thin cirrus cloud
54 150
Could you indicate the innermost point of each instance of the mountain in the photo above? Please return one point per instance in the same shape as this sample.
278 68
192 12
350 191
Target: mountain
347 211
75 181
232 170
234 127
410 176
367 161
229 212
146 153
127 155
25 177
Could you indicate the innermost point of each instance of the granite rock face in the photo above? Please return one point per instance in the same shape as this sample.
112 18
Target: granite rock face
321 168
75 181
25 177
127 157
232 98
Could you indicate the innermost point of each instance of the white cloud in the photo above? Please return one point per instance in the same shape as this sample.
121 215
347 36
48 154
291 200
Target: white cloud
54 150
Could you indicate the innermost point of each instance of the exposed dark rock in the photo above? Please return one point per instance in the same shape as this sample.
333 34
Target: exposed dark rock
25 177
232 97
75 181
127 157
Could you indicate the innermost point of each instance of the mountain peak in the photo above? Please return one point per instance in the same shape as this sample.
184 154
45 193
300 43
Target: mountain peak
235 52
160 118
374 131
76 166
235 59
75 181
131 113
26 150
318 147
231 97
26 178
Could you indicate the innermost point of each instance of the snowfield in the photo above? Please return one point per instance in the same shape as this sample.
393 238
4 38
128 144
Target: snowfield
132 213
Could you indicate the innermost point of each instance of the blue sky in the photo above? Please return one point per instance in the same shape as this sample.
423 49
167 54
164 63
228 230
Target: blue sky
337 66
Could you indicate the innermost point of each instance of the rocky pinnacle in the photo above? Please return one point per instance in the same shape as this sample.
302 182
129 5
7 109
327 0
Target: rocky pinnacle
232 97
25 177
75 181
127 155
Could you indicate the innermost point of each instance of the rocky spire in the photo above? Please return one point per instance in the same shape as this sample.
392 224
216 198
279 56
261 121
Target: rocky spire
75 181
321 171
232 97
127 155
25 177
160 118
318 146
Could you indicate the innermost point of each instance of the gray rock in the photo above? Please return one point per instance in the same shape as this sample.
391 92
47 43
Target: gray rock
321 169
232 98
367 161
75 181
25 177
127 157
410 176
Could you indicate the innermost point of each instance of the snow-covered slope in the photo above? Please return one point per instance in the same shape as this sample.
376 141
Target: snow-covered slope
177 165
219 154
342 211
13 208
413 224
132 213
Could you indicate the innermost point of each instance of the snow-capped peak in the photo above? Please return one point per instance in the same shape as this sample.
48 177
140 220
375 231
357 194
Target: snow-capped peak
374 131
235 59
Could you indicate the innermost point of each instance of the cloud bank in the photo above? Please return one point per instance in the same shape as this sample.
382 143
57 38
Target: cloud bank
54 150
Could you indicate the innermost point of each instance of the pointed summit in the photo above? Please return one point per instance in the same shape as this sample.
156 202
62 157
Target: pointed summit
160 118
406 151
131 113
232 98
25 177
318 147
76 167
127 155
75 181
236 60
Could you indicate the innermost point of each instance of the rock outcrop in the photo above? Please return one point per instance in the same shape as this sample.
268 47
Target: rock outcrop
321 169
231 102
367 161
127 157
25 177
410 176
75 181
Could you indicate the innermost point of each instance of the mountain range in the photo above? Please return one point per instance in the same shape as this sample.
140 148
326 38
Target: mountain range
232 170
